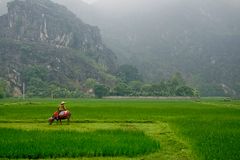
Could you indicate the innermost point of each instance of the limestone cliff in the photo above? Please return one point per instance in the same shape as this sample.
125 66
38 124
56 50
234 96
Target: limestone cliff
39 34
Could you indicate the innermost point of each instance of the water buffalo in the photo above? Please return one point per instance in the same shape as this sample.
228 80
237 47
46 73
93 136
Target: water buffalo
62 115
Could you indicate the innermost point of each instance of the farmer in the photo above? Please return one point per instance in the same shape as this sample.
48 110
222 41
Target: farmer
61 108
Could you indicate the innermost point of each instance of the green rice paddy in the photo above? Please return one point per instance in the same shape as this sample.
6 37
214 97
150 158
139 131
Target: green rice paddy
52 144
122 129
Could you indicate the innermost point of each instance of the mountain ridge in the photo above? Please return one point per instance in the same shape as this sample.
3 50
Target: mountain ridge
39 36
164 37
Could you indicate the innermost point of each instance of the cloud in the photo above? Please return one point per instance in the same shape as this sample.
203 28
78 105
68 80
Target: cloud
89 1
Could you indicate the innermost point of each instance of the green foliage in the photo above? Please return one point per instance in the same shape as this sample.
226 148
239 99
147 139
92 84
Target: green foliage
4 89
60 92
37 87
40 65
135 87
185 91
35 71
101 90
237 94
172 87
146 89
90 83
212 90
122 89
128 73
175 82
45 144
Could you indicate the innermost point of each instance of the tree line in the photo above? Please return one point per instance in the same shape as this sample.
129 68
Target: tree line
129 83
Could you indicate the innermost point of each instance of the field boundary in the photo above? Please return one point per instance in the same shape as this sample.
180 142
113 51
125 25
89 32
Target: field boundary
150 97
160 131
80 121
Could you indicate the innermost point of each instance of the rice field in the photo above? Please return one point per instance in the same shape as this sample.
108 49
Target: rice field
53 144
122 129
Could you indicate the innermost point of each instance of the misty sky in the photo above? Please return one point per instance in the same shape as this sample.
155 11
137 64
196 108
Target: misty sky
133 4
156 32
90 1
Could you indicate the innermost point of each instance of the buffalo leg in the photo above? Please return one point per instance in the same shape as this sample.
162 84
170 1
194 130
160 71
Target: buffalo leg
68 120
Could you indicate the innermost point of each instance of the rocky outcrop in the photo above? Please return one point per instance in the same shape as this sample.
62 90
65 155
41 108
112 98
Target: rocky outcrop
45 21
42 20
41 36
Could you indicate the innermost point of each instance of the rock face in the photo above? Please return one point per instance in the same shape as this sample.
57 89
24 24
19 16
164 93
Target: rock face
46 35
45 21
42 20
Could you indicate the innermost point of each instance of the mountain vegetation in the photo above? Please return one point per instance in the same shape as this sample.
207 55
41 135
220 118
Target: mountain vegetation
199 39
49 49
46 51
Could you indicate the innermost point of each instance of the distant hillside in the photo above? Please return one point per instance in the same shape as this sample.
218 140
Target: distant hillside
3 7
43 44
198 38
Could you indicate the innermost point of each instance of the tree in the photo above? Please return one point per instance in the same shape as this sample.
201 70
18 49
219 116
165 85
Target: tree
4 89
185 91
135 87
34 71
128 73
37 88
178 79
101 90
122 89
174 83
90 83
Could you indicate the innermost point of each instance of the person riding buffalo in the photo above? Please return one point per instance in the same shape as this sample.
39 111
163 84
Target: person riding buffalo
61 113
61 108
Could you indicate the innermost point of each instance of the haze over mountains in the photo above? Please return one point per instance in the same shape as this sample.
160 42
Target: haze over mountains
200 38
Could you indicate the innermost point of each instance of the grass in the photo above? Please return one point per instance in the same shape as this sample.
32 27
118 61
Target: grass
212 137
17 143
186 129
171 148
